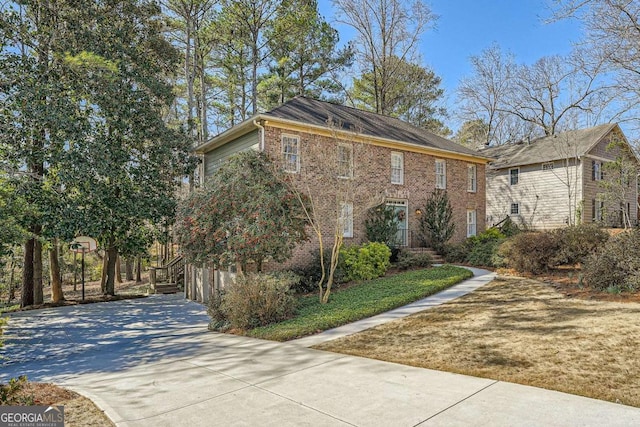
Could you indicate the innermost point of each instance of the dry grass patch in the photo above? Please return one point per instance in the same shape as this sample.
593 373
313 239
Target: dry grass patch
522 331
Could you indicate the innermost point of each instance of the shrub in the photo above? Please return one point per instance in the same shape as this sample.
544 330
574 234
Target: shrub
531 252
509 228
255 299
480 250
436 222
616 265
381 225
407 260
579 241
365 262
12 393
311 273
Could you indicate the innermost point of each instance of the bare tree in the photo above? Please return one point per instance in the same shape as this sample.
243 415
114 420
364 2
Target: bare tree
620 185
388 33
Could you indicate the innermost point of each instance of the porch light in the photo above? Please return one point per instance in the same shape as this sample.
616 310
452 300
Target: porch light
418 212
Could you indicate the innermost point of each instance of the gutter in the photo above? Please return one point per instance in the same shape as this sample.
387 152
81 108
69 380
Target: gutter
259 126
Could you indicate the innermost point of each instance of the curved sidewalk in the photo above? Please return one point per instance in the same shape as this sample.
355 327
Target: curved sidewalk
480 278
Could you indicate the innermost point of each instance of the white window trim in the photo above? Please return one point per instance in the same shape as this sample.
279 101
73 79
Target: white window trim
514 169
472 178
286 163
472 226
401 157
443 175
350 148
346 219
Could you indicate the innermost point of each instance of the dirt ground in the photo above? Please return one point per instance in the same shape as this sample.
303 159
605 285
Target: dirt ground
78 410
523 331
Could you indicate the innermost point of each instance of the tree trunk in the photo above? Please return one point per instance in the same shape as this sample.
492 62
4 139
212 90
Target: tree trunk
75 271
118 271
138 270
128 269
38 294
12 289
54 266
112 258
103 278
27 274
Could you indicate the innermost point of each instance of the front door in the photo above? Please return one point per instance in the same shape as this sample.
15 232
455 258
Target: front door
400 212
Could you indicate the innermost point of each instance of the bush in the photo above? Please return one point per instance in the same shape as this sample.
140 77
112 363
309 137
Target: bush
407 260
616 265
381 225
480 250
436 222
311 273
580 241
365 262
531 252
255 299
13 393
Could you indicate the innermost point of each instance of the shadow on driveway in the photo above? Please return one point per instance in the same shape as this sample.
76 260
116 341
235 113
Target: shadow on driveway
101 337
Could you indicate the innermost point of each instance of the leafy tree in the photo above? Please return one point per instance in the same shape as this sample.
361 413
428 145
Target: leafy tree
436 222
412 94
244 213
620 185
472 133
13 209
303 55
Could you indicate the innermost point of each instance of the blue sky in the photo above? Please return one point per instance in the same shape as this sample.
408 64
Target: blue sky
466 27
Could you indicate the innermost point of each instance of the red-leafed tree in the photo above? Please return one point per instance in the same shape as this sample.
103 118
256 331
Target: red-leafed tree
244 213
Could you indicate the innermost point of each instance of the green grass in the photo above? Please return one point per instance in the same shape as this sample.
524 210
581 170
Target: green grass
361 301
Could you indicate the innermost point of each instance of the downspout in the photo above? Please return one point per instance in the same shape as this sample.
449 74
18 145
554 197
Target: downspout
258 125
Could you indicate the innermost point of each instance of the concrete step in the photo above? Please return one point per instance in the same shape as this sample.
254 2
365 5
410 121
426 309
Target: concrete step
436 258
166 288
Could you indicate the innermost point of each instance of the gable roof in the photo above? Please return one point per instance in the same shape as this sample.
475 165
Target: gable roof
329 116
548 148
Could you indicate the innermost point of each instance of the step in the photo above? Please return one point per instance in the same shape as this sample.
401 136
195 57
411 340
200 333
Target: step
437 259
167 288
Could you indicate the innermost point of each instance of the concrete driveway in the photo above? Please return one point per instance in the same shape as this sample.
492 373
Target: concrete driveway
152 362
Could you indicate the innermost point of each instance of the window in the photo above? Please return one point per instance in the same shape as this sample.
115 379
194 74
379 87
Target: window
597 173
514 176
291 153
397 168
441 174
345 161
597 209
471 223
547 166
347 220
472 178
515 209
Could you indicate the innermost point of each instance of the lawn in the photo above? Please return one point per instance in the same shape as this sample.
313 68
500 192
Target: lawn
521 331
361 301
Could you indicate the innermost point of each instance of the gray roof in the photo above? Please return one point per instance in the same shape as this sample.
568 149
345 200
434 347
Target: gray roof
311 111
548 148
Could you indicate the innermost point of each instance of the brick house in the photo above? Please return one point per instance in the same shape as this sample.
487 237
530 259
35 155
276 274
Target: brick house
557 180
382 159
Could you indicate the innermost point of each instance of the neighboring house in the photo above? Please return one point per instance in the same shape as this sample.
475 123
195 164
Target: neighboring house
385 157
554 181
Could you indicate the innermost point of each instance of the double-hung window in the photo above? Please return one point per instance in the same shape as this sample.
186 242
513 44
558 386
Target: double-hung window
345 161
472 178
291 153
471 223
397 168
441 174
514 176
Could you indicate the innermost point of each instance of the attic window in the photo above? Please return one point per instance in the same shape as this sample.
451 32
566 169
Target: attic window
547 166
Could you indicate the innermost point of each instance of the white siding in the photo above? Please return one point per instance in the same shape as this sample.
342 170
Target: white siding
542 195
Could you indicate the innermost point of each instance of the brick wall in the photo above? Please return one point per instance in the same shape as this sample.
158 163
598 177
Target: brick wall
371 185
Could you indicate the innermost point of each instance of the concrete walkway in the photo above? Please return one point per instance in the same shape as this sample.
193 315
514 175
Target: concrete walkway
152 362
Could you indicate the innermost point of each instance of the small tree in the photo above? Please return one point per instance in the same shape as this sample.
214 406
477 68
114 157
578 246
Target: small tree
436 223
244 213
381 225
620 184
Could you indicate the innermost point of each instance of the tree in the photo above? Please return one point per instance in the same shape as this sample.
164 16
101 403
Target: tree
381 225
388 33
612 37
436 225
244 213
412 94
304 54
472 133
620 185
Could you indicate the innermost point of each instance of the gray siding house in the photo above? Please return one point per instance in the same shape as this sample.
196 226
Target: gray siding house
555 181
